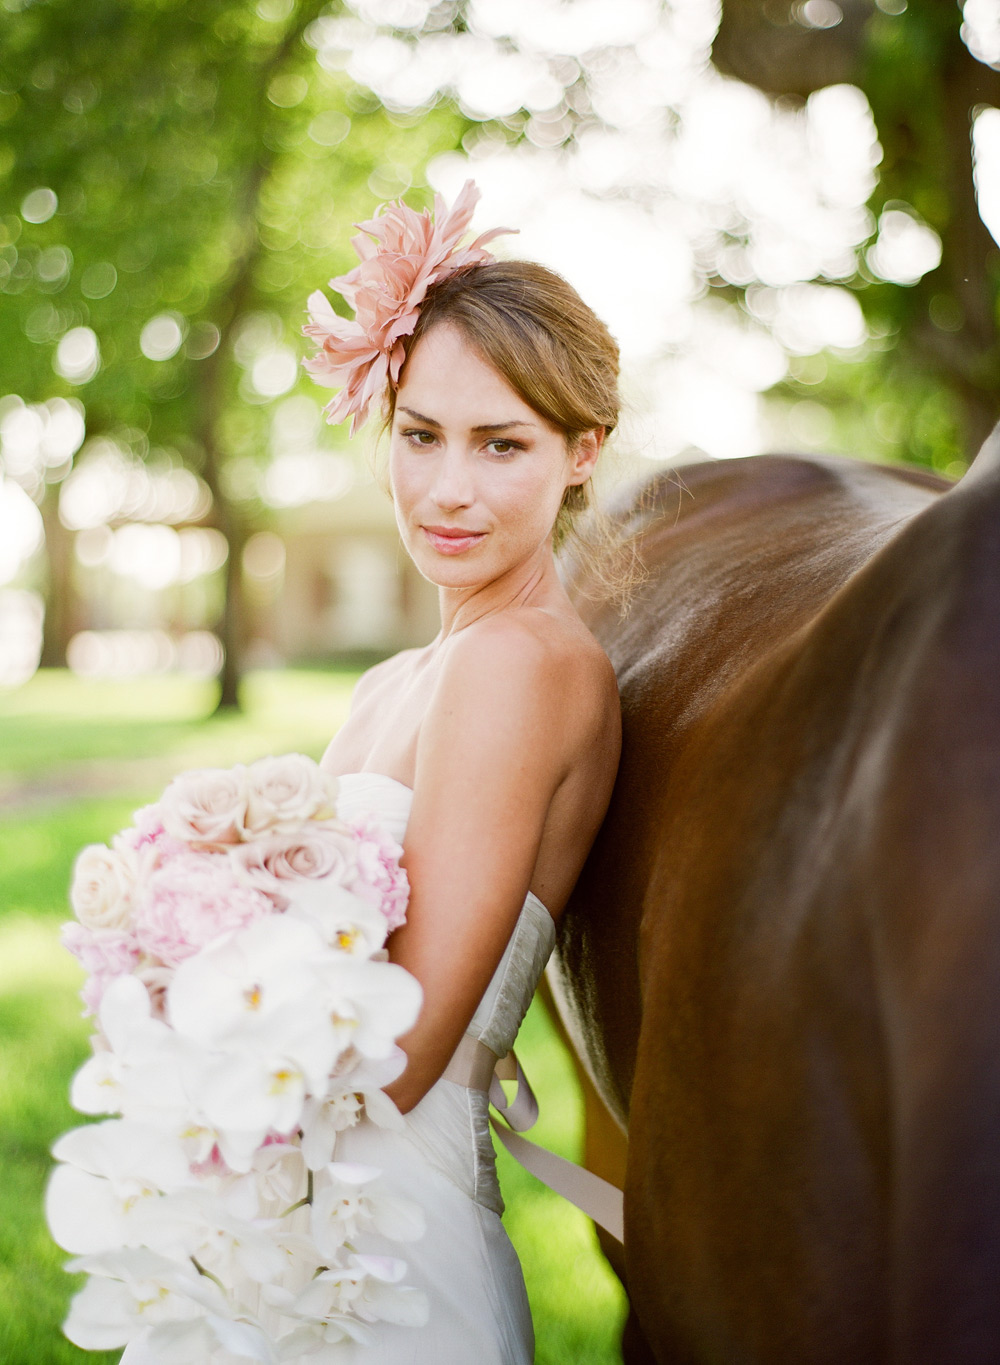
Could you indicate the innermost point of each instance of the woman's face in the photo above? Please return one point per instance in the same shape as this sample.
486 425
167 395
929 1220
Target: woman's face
477 475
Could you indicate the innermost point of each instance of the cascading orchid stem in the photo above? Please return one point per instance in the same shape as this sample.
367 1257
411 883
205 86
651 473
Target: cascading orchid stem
306 1199
207 1273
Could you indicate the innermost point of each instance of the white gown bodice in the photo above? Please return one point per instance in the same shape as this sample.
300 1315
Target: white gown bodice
441 1124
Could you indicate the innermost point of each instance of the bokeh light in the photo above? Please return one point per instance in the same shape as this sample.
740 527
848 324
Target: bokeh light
162 336
21 616
39 205
986 148
78 355
138 653
906 248
21 530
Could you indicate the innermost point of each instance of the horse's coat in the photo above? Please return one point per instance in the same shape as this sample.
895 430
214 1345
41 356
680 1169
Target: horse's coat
781 964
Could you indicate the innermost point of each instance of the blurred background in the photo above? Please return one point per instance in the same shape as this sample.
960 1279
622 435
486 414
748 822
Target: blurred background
786 210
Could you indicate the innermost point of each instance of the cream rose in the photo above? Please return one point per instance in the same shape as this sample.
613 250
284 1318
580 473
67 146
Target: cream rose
315 852
285 791
206 805
102 888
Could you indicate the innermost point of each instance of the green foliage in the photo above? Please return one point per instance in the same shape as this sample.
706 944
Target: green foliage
940 363
205 165
207 169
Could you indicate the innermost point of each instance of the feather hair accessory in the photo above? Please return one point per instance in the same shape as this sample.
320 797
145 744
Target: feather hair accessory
402 254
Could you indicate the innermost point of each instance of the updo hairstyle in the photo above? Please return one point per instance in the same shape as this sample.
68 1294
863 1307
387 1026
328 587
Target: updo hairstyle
554 352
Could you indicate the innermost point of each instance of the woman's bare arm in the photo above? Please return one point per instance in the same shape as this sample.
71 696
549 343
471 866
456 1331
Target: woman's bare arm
499 738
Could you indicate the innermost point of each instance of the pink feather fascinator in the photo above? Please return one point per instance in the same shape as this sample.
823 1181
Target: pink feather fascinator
402 254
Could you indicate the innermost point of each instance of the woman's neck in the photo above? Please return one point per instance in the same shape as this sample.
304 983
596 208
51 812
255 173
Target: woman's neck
534 583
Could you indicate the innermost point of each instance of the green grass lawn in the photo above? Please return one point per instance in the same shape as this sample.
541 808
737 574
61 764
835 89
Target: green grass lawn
76 758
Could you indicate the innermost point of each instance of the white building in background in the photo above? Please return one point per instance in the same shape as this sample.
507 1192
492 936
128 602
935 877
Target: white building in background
346 586
143 587
328 582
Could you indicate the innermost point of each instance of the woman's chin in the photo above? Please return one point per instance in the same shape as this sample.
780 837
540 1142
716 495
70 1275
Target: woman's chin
446 573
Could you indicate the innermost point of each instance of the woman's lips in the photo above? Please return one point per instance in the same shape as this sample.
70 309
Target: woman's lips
448 540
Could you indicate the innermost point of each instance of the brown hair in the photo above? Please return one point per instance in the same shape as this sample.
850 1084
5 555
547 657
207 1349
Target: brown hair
553 350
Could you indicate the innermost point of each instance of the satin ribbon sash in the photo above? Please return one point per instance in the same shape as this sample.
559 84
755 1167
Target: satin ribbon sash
474 1065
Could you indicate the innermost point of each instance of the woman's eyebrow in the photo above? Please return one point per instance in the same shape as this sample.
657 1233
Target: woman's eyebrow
502 426
485 426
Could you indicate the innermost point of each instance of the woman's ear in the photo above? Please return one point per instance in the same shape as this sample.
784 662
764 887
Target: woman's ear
583 455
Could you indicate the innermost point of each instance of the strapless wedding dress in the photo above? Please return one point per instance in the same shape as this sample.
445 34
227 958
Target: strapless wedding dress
443 1159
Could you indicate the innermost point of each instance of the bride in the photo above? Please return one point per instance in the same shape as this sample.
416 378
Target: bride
492 751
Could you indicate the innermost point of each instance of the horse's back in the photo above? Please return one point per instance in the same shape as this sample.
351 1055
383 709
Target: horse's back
784 952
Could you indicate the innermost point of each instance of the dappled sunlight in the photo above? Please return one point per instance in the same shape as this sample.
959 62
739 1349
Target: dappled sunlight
30 958
986 146
21 531
905 249
139 653
981 29
21 616
38 440
108 484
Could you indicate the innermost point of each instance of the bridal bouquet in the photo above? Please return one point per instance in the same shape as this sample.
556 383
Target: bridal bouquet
233 938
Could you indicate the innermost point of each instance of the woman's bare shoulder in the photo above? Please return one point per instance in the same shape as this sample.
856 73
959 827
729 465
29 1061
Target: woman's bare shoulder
533 651
542 638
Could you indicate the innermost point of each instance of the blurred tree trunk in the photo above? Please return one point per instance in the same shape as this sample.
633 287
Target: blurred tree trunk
236 301
924 88
59 624
760 42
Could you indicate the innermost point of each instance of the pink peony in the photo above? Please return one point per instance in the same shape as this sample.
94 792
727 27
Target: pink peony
380 878
190 900
411 252
147 835
103 954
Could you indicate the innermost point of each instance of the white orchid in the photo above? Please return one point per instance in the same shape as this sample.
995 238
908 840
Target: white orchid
111 1174
345 921
221 1238
338 1301
366 1287
133 1290
245 1097
322 1120
210 1340
145 1071
370 1004
258 990
278 1174
347 1200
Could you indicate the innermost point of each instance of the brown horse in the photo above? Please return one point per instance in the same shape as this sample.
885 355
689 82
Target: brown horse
782 961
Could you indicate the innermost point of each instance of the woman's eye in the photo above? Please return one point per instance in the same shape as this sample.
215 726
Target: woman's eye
419 438
505 449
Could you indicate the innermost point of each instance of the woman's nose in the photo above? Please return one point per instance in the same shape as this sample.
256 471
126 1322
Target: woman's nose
452 485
